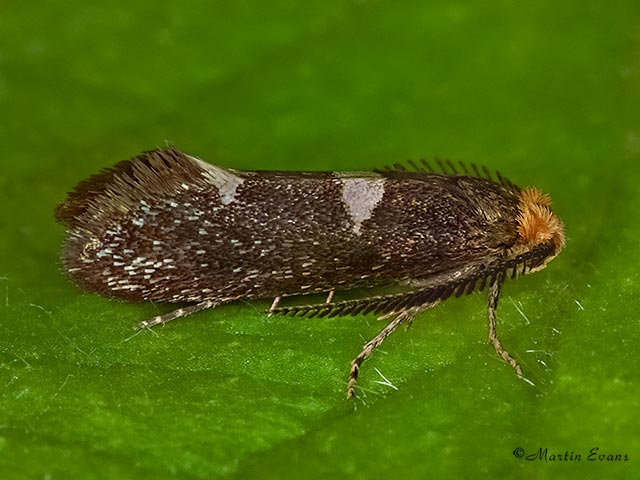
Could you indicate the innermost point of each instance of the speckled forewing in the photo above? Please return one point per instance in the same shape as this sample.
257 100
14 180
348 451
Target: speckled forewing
170 227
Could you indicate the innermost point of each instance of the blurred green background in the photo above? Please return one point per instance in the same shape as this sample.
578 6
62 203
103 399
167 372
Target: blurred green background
546 92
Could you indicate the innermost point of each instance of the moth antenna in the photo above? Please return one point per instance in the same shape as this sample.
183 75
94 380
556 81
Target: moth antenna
460 289
448 290
366 309
437 293
341 308
514 271
392 305
341 311
303 313
411 302
471 285
395 302
483 281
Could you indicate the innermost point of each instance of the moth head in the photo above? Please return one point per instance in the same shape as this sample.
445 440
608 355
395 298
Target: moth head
538 225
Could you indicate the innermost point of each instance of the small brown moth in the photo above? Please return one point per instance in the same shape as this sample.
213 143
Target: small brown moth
168 227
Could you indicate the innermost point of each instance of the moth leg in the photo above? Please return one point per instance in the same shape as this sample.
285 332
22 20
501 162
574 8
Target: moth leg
180 312
371 345
275 303
329 296
492 306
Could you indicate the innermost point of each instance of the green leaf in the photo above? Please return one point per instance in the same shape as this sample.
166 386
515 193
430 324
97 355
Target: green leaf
547 93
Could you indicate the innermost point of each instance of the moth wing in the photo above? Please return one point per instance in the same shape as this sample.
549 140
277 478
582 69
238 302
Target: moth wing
150 172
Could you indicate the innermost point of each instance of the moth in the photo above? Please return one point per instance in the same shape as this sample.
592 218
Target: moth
169 227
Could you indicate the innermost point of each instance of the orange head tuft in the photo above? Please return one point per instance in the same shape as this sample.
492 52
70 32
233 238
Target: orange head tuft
536 222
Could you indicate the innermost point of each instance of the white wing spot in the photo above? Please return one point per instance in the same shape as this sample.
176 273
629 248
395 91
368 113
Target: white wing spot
360 197
224 180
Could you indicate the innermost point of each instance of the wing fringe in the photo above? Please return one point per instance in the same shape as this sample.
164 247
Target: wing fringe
150 171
